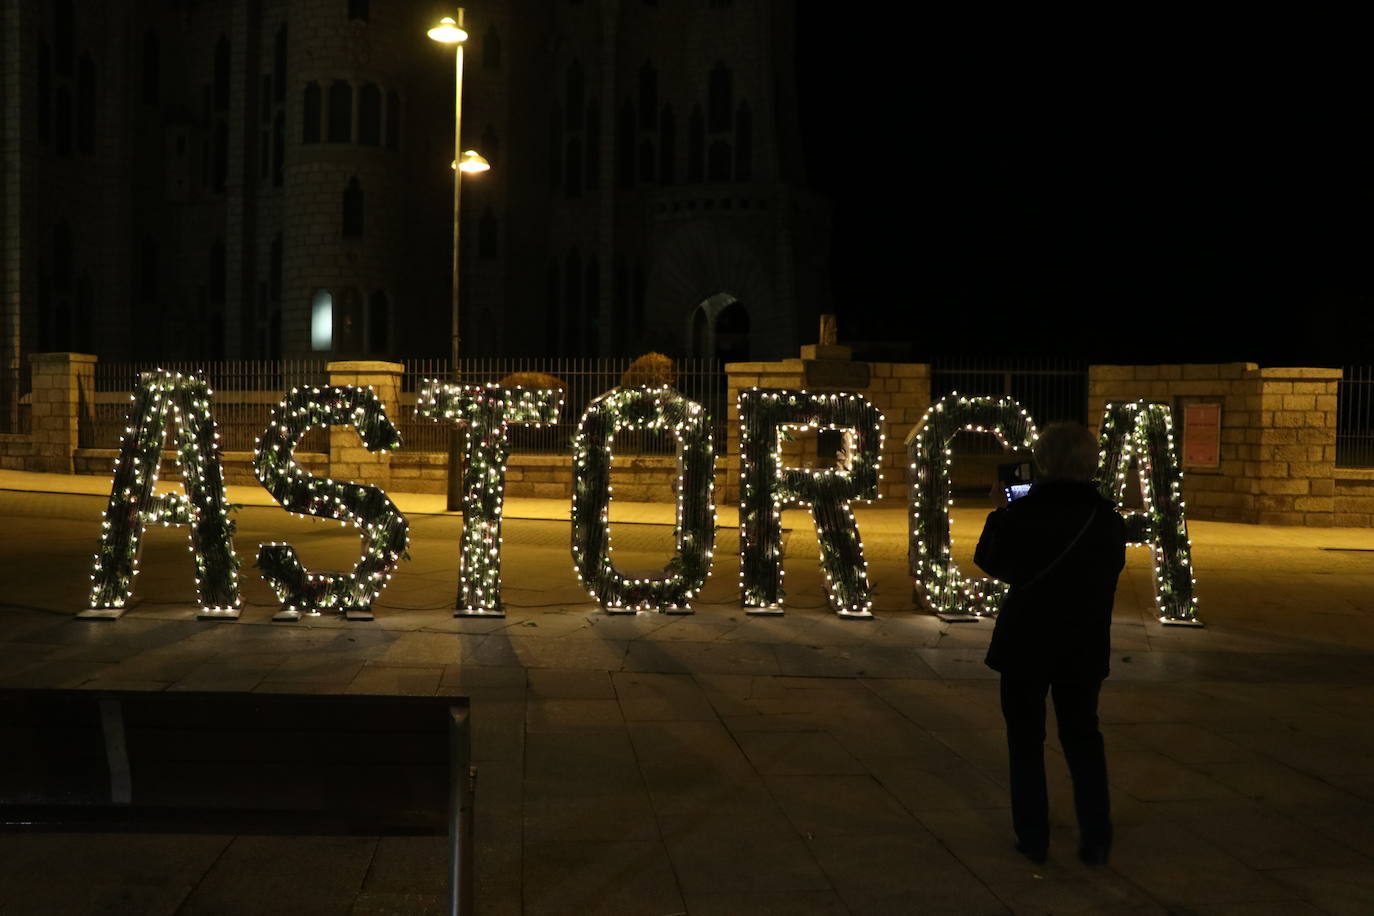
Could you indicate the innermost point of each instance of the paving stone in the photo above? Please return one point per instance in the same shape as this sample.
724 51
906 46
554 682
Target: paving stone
647 696
389 680
839 806
599 879
883 873
797 754
795 903
570 685
284 874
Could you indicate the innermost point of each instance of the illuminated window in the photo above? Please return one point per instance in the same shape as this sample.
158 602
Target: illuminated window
322 320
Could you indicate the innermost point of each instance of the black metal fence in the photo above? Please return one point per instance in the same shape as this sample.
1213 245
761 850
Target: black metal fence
1355 418
1050 390
15 389
245 393
702 380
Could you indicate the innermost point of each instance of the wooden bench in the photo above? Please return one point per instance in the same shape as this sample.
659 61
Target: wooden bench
236 763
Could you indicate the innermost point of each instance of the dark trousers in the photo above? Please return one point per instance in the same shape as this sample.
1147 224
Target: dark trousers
1075 707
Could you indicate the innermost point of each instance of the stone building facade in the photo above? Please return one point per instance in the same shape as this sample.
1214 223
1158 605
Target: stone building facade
260 179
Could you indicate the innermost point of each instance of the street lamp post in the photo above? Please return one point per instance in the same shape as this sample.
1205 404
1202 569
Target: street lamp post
450 31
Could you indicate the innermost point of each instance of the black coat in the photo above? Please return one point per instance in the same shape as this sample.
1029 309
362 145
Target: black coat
1054 624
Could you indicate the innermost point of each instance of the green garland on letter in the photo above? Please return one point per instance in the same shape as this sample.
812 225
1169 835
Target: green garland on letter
928 459
487 412
133 500
695 531
369 509
1145 431
767 488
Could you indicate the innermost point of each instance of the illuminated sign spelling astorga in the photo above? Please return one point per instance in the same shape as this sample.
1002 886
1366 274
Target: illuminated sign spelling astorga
1138 432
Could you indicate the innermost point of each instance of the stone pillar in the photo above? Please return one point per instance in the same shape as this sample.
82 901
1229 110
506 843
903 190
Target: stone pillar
1293 442
348 458
63 388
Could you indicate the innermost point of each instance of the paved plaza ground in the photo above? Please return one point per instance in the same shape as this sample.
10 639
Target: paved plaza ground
724 764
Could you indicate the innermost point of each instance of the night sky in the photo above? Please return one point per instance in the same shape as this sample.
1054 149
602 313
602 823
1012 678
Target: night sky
1097 188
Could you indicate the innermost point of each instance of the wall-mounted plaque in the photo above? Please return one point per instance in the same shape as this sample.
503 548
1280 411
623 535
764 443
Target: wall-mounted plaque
1202 435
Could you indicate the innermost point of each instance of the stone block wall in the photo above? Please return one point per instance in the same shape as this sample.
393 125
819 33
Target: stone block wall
62 388
348 458
900 391
1354 497
1278 436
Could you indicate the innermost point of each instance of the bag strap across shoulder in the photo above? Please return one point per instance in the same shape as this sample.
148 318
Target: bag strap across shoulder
1065 552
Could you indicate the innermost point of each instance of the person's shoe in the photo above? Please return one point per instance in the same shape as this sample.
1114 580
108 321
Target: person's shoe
1036 854
1093 855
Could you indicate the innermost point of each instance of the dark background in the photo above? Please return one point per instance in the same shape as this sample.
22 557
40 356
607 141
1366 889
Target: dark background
1095 187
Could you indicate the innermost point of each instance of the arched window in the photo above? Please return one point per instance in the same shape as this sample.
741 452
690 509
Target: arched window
279 64
311 109
487 242
593 145
667 139
340 112
648 95
378 322
552 341
744 143
572 173
572 296
278 149
718 164
393 119
152 68
574 89
64 30
621 306
353 210
217 272
64 121
147 270
491 145
370 115
647 160
491 49
221 155
63 261
720 101
696 145
555 148
221 80
82 318
44 92
357 9
322 320
274 269
590 307
625 145
85 105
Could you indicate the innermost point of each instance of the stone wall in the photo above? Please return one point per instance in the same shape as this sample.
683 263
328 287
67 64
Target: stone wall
1278 436
900 391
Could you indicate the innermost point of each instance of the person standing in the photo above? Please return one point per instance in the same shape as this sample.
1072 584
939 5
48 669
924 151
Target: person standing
1061 548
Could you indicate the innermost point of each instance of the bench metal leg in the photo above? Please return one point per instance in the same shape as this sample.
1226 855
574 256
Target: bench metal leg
462 792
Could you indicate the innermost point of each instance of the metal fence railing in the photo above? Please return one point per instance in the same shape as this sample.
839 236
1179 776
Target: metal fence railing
1355 418
1051 390
701 380
246 391
15 390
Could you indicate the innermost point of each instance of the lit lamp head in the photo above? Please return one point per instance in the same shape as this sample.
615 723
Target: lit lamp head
448 32
471 162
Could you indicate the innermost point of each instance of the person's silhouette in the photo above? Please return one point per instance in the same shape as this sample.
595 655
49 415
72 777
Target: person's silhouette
1061 548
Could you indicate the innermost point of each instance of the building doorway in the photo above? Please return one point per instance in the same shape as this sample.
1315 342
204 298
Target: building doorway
720 329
